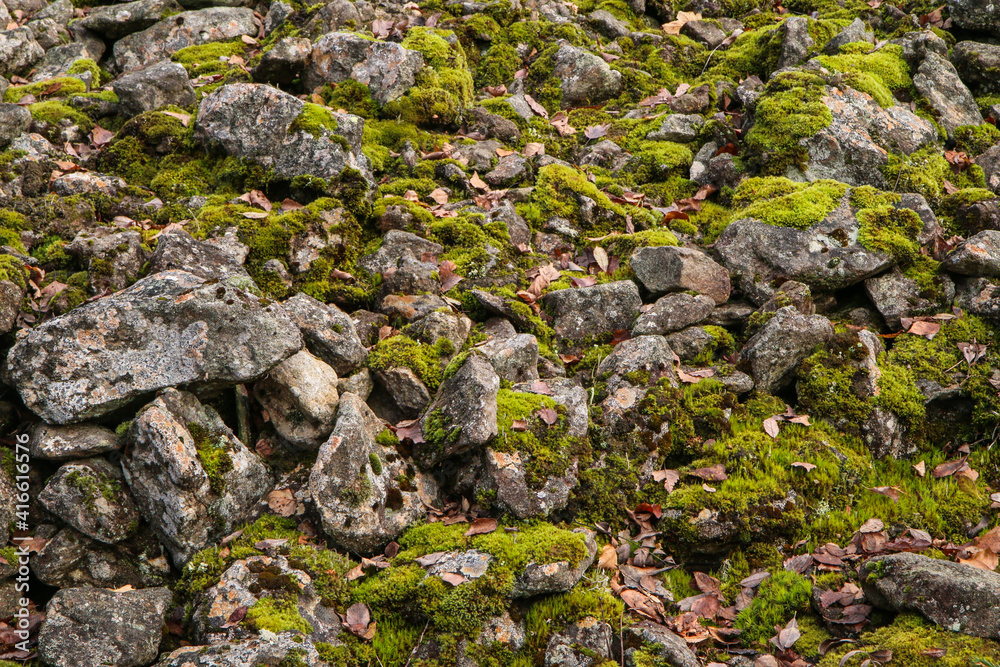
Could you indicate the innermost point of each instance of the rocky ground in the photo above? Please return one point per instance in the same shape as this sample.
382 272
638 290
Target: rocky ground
501 333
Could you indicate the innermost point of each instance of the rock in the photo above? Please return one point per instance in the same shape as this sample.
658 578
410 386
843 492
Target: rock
678 127
990 164
495 126
407 391
589 311
979 216
606 154
410 308
975 15
757 254
155 86
541 578
78 441
515 359
938 81
673 312
179 251
657 639
394 244
608 24
166 330
706 32
18 51
955 596
285 62
88 495
977 64
663 269
113 260
212 480
569 394
251 652
11 298
329 333
584 78
90 626
160 40
14 120
505 474
856 144
639 362
464 414
355 483
115 21
689 344
258 123
857 31
584 643
979 296
774 352
978 255
71 559
510 170
300 395
896 296
386 68
439 324
795 42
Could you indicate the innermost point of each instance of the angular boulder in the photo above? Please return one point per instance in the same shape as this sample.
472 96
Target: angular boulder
775 351
583 312
89 496
663 269
300 395
388 69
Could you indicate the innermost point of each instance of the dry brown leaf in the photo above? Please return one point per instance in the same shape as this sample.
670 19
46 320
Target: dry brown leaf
771 427
920 469
481 526
477 182
536 107
282 502
533 148
608 560
674 27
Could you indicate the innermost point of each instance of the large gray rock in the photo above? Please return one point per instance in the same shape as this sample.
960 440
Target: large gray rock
895 296
89 496
958 597
977 64
978 255
77 441
937 80
152 87
251 652
386 68
663 269
18 51
583 77
672 313
515 359
641 361
285 62
775 351
179 251
167 330
329 332
14 120
356 486
795 42
539 578
758 254
394 244
857 31
857 143
115 21
215 24
464 414
975 15
678 127
257 122
584 643
193 480
95 626
71 559
591 311
300 396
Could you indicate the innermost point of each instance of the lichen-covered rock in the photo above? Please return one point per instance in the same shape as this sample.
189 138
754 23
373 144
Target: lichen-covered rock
265 125
89 495
388 69
515 358
167 330
659 641
408 392
114 260
955 596
18 51
978 255
394 244
212 480
590 311
896 296
329 332
95 626
975 15
641 361
663 269
192 28
505 474
583 77
77 441
71 559
356 485
977 63
116 21
539 578
775 351
285 62
152 87
584 643
795 42
463 416
677 127
14 120
938 81
300 395
857 31
672 313
250 652
179 251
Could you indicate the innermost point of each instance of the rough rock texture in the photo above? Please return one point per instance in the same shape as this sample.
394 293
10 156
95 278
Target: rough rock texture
955 596
89 496
71 559
588 311
386 68
300 395
153 87
166 330
584 78
553 577
329 333
665 644
975 15
355 483
77 441
774 353
976 256
257 122
937 80
87 626
673 269
116 21
212 479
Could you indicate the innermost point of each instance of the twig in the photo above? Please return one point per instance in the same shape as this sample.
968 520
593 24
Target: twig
621 636
902 163
420 641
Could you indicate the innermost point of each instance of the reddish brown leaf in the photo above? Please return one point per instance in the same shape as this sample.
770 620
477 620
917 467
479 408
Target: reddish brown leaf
890 492
715 473
549 416
481 526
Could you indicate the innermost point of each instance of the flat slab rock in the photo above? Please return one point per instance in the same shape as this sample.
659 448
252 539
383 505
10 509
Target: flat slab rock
171 329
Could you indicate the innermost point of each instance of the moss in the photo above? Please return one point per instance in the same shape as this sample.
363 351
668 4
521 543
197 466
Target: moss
779 201
778 598
892 231
976 139
497 66
443 87
877 73
207 59
557 192
404 352
277 616
52 112
544 448
318 121
721 343
924 172
13 270
658 160
67 86
375 463
351 96
327 569
84 65
908 637
93 483
213 455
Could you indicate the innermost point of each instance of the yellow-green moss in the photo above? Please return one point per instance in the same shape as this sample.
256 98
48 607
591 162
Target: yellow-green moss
277 616
67 86
213 455
778 598
404 352
443 87
877 73
779 201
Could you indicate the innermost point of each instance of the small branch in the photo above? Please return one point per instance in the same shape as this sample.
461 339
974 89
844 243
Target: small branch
420 641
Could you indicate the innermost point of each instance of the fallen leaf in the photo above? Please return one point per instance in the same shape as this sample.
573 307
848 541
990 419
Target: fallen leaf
674 27
358 621
561 122
668 477
597 131
771 427
608 560
926 329
890 492
236 617
549 416
270 543
948 468
477 182
533 148
787 636
282 502
715 473
536 107
707 584
247 39
101 137
481 526
601 257
920 469
254 215
453 578
805 466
